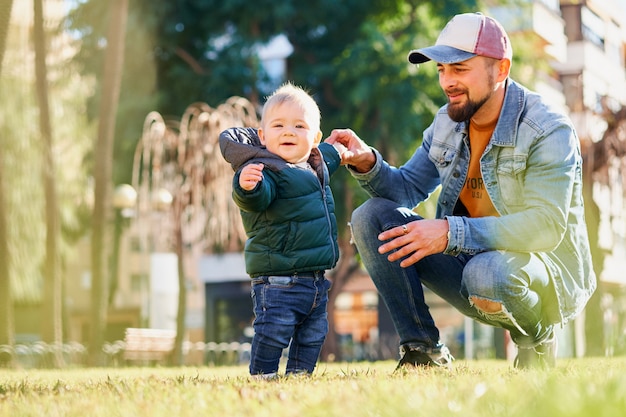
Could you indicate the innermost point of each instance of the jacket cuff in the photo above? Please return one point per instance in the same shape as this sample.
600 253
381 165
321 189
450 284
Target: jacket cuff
455 235
366 176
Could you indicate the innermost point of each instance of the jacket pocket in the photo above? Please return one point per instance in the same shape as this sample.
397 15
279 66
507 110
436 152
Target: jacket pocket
441 154
510 171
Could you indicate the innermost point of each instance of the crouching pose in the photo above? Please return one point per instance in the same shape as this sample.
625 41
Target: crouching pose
509 245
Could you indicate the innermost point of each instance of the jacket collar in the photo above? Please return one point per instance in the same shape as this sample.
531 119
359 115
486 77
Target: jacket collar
505 132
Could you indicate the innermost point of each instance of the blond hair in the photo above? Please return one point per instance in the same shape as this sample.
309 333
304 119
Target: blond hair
290 93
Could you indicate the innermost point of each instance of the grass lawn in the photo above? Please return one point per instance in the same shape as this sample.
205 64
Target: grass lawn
590 387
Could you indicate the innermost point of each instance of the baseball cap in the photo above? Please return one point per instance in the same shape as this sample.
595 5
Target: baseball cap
466 36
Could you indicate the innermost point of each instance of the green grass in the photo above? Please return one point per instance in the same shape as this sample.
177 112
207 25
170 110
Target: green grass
582 387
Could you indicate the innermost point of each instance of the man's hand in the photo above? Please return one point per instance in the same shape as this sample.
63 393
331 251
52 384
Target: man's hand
357 153
415 240
250 176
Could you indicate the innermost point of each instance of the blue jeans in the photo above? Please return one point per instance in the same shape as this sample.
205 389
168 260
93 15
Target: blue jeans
289 311
518 281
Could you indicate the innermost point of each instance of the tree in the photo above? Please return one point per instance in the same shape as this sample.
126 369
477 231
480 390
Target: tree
599 157
183 157
103 168
359 77
206 51
138 95
6 302
23 193
351 55
52 329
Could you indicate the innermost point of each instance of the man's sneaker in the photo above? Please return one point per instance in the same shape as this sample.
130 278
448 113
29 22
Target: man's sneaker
542 356
416 357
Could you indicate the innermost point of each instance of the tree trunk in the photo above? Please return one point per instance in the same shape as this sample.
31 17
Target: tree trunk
177 358
111 85
594 333
597 157
52 319
6 302
5 18
346 266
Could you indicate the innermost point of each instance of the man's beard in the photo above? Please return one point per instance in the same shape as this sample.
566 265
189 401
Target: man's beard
462 113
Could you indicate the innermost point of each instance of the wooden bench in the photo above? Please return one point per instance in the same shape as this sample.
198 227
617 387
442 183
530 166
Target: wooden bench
148 345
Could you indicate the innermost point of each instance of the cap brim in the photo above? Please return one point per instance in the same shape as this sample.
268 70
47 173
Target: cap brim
442 54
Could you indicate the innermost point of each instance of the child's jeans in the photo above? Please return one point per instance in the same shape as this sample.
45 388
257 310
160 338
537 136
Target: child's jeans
289 309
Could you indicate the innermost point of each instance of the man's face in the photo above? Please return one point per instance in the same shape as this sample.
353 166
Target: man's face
289 133
468 85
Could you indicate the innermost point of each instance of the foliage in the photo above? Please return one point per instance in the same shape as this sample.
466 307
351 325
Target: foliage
21 161
350 54
21 153
576 388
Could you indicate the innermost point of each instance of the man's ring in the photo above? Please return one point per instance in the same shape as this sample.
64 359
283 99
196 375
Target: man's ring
405 229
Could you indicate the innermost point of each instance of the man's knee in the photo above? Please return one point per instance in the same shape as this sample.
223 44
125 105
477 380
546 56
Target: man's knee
365 218
487 277
359 215
368 209
488 306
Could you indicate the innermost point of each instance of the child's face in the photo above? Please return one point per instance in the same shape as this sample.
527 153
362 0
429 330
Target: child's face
288 132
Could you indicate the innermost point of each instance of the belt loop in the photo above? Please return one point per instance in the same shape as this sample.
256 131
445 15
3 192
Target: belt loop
259 280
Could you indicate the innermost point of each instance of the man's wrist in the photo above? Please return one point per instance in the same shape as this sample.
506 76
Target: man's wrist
367 165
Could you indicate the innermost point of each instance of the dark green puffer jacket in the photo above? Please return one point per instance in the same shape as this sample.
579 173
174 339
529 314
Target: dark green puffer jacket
289 217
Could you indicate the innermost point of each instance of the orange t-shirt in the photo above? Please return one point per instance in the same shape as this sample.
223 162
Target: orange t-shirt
474 195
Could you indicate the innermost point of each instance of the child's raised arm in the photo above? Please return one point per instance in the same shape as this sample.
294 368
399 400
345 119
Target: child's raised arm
250 176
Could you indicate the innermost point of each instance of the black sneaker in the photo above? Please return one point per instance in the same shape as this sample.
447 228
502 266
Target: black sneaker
542 356
415 357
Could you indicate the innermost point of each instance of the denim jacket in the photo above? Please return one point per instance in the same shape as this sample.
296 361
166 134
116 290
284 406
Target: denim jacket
532 171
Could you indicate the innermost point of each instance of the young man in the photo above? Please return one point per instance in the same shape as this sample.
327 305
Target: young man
509 244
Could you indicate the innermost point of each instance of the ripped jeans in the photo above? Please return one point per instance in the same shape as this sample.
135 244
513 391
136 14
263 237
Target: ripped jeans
518 282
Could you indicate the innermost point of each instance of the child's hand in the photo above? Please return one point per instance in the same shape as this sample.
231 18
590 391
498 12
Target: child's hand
250 176
357 153
340 148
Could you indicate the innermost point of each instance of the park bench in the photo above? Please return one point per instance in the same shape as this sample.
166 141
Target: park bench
148 346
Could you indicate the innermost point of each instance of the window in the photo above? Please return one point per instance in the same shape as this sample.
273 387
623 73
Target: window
593 28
